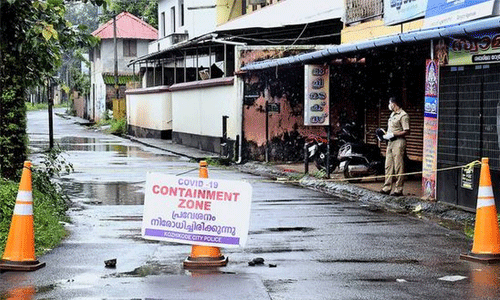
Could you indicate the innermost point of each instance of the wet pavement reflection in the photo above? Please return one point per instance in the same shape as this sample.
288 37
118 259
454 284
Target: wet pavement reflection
19 289
97 145
107 170
321 247
485 281
109 193
20 293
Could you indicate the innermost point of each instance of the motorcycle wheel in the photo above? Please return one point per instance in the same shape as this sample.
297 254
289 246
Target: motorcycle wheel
320 163
348 175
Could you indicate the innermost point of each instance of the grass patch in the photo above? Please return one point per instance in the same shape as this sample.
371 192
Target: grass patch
118 127
41 106
469 228
217 161
49 204
296 176
320 174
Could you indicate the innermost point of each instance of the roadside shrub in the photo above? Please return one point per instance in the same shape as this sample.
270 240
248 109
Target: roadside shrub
49 201
8 192
118 127
41 106
36 106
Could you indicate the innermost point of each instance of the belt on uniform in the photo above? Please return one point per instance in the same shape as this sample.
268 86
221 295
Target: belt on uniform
396 138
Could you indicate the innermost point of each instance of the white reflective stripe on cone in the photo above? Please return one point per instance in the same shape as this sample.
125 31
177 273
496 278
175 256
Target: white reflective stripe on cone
23 209
25 196
485 191
485 202
485 197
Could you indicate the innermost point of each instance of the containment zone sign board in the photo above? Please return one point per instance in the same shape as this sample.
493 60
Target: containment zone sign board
200 211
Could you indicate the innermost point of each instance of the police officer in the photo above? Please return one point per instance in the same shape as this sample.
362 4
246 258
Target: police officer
398 127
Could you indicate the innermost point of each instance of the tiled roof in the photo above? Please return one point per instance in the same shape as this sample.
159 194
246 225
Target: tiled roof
128 26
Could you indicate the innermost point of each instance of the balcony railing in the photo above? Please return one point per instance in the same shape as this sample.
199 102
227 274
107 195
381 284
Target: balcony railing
167 41
361 10
178 37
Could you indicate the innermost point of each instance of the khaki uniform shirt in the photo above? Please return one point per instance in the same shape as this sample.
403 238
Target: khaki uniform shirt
398 121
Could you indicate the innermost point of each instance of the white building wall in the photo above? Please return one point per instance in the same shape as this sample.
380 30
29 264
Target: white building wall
107 62
199 19
150 111
200 111
100 105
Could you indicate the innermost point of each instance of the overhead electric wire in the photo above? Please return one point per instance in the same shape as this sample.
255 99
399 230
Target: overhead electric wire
302 32
284 39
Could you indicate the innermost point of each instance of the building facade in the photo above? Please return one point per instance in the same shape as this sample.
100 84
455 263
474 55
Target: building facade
132 39
440 58
199 73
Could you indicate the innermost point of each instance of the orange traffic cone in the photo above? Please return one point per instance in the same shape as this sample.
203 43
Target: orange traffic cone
19 254
205 256
486 246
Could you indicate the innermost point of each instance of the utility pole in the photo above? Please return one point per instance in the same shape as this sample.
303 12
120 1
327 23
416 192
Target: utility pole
1 83
50 100
117 88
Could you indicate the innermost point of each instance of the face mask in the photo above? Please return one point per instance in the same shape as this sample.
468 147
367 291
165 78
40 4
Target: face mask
391 106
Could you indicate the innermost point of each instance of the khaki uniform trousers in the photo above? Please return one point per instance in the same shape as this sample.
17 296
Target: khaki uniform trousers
394 165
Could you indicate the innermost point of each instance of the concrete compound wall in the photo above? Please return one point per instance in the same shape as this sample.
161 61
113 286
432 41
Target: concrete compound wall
199 107
149 112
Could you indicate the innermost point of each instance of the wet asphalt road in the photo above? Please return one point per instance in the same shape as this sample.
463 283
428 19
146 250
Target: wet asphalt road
324 247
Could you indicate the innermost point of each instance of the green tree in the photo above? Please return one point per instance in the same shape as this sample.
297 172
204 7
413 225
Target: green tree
33 35
83 14
145 9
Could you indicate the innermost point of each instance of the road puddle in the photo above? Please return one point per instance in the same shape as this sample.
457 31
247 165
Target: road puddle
373 261
110 158
153 269
72 143
108 193
288 229
485 281
19 293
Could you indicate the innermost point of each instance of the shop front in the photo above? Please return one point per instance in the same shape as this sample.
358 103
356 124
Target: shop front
469 117
359 88
448 78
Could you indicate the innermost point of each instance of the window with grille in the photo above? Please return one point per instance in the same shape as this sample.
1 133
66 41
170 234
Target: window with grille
130 48
360 10
181 13
162 25
97 52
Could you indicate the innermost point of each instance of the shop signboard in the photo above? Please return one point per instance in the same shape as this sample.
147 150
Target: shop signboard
273 107
399 11
429 164
470 50
317 95
199 211
449 12
467 178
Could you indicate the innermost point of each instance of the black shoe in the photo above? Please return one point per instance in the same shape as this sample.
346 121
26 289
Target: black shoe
397 194
385 192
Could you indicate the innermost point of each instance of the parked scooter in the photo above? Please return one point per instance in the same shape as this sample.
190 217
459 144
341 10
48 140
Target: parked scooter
357 158
317 152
